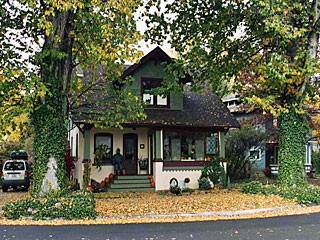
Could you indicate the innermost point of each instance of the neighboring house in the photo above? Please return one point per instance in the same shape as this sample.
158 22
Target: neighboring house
266 155
180 131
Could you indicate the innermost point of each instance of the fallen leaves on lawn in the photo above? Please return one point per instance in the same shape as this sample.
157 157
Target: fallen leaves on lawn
129 204
12 196
111 204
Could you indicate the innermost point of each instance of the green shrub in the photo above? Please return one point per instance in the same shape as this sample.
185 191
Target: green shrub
188 190
175 190
302 195
204 183
252 188
77 205
214 171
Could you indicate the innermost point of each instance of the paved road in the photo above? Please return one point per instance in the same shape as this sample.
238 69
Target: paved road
289 227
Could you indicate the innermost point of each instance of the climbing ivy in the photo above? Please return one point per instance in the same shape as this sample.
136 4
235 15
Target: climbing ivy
49 142
292 137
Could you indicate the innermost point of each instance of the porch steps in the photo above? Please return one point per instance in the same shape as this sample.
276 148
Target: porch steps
124 181
130 184
128 177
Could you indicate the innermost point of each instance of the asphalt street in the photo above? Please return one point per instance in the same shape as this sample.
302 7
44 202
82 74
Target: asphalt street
288 227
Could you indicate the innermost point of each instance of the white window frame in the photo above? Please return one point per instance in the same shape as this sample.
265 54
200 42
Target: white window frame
255 159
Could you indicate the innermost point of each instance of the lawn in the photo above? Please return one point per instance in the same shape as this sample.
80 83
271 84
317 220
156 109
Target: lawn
111 205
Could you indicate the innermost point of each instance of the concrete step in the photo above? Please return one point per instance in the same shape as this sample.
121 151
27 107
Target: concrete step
133 185
131 189
126 177
124 181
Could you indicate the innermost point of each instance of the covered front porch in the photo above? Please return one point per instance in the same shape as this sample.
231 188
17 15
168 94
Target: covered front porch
162 153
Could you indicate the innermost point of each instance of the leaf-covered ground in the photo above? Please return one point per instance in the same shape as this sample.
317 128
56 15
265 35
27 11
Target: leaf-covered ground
111 204
130 204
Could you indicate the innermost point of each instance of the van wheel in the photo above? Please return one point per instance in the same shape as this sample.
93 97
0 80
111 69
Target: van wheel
4 189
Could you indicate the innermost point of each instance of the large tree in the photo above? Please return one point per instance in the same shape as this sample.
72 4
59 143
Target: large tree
43 45
274 42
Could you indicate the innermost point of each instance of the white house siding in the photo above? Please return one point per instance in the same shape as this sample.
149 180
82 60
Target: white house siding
77 172
162 177
97 174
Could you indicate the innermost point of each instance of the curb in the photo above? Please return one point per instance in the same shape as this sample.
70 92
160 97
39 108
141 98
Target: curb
203 214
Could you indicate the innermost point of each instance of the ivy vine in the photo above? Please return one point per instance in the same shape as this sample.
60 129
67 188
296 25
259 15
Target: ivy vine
292 140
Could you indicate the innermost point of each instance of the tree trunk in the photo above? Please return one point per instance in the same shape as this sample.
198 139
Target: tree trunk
50 117
292 141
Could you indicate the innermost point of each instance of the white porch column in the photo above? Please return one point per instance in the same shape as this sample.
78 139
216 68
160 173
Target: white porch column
222 149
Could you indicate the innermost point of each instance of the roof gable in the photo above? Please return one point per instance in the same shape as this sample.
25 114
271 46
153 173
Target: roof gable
156 55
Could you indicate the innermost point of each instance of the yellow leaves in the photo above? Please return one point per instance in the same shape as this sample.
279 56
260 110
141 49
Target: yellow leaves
138 203
80 5
153 203
262 80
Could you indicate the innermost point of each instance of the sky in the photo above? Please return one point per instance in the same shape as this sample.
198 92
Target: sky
147 47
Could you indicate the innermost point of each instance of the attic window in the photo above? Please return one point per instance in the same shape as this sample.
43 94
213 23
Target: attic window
152 100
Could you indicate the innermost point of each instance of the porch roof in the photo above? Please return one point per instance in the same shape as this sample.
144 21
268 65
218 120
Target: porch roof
199 110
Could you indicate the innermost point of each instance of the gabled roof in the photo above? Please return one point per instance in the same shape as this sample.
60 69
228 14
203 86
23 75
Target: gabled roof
199 110
156 54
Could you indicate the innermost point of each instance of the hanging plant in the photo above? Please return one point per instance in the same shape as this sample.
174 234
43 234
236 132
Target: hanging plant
102 153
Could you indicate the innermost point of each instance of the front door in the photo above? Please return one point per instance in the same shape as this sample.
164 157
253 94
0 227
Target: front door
130 153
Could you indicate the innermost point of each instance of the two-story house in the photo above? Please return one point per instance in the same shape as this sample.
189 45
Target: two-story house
172 142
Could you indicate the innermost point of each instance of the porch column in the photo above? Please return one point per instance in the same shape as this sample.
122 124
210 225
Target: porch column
158 157
158 145
86 144
222 149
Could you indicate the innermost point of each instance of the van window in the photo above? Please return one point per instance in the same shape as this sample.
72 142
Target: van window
14 166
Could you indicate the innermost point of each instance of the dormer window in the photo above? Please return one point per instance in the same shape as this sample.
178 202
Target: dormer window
152 100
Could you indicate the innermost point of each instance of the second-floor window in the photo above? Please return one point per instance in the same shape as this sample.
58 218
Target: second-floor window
153 100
